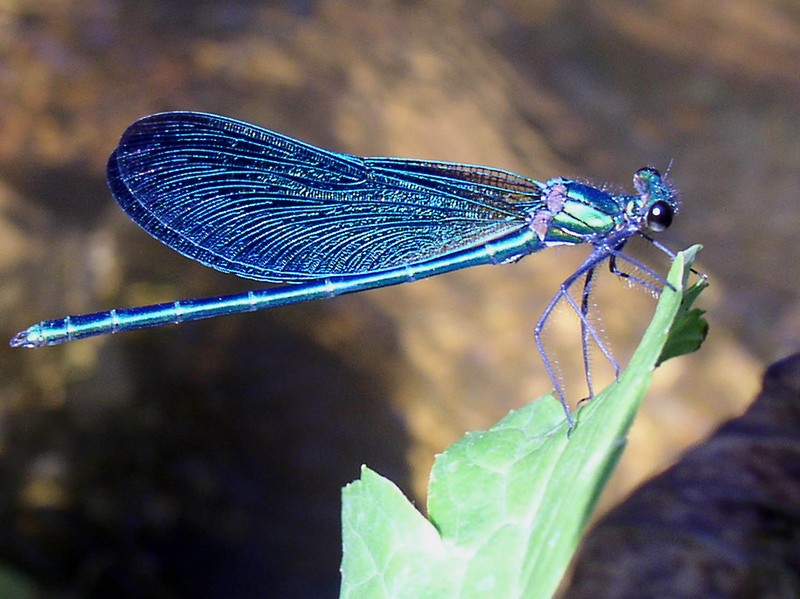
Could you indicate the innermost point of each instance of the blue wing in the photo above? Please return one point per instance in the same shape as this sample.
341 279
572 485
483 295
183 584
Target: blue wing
243 199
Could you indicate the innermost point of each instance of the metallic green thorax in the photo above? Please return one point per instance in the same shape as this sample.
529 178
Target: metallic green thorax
577 213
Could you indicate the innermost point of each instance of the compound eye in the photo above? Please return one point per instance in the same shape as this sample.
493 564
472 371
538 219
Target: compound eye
645 179
648 171
659 217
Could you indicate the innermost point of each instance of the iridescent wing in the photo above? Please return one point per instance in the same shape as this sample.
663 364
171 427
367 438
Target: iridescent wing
245 200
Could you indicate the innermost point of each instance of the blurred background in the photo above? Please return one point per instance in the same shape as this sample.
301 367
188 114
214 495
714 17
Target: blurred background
206 460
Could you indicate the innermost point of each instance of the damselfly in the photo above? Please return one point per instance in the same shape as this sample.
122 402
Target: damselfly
264 206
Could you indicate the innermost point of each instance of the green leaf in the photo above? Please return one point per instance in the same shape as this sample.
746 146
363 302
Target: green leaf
690 328
391 550
506 506
14 585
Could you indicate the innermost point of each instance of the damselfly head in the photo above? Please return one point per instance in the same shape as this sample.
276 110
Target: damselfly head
657 199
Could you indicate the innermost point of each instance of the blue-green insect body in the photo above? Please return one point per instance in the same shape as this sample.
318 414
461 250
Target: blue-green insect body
261 205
